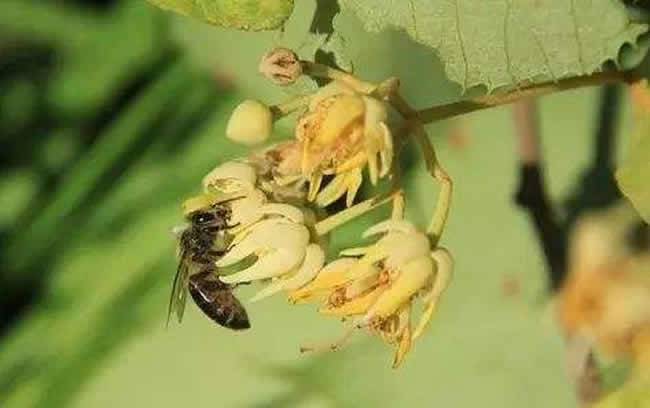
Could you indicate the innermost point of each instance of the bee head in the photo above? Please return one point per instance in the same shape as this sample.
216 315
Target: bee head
202 217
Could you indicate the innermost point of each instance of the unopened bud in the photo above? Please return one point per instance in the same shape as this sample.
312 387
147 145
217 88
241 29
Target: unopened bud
281 66
250 123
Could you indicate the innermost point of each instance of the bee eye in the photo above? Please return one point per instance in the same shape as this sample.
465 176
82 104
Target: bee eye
202 218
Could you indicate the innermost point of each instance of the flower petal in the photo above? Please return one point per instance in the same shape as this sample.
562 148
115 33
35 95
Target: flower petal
364 266
360 251
445 264
335 189
413 277
373 170
332 275
232 175
376 114
402 248
305 162
331 89
360 286
356 161
263 236
356 306
340 114
245 211
375 111
273 264
404 337
313 262
354 180
386 153
198 202
445 269
290 212
390 225
285 180
315 182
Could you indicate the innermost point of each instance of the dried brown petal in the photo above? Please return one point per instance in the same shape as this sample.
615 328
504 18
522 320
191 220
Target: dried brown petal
281 66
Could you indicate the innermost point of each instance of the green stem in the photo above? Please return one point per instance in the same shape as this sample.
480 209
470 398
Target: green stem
290 106
350 213
323 71
441 213
440 112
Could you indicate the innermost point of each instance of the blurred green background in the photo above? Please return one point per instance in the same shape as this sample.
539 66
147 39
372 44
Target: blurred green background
111 111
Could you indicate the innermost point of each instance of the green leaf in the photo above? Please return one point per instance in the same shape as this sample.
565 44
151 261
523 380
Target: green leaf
634 176
503 43
96 52
249 15
634 393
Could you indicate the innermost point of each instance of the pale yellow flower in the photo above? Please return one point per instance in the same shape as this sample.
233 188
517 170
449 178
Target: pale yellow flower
276 221
374 286
274 233
341 133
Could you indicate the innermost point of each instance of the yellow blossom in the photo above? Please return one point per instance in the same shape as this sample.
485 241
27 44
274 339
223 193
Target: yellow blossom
341 133
375 285
276 196
275 233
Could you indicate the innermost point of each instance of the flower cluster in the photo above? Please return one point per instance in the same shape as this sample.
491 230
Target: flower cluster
342 134
256 222
375 285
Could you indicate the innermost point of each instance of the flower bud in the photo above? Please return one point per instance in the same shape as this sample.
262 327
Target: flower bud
281 66
250 123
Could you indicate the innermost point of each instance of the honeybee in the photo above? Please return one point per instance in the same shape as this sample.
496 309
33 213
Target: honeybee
200 245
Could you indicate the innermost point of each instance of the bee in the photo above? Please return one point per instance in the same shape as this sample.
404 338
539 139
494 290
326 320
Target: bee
200 245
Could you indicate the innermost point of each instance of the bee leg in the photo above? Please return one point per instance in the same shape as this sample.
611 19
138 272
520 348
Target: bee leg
217 253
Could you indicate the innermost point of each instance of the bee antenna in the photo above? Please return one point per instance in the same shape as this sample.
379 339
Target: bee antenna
226 201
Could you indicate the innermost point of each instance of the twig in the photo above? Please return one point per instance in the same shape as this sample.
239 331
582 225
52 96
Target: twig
497 99
552 234
597 187
531 194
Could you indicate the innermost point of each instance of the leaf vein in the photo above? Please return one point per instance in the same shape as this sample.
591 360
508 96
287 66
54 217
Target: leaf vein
414 20
462 45
576 32
506 43
547 62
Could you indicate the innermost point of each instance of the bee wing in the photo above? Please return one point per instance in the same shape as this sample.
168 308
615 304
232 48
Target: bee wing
179 291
